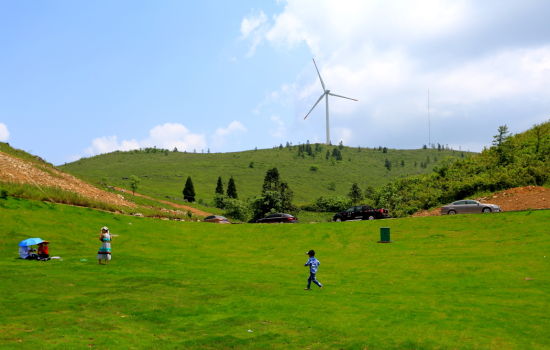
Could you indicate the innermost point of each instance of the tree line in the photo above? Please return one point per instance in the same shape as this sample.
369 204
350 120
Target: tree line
275 196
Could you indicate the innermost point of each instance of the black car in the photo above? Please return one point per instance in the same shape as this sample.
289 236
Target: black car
278 218
361 212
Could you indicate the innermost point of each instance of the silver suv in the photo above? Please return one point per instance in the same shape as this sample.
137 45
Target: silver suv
469 206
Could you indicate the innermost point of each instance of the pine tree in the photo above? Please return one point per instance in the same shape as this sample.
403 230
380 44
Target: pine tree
355 194
501 136
308 149
271 181
189 190
276 196
219 186
286 198
231 189
499 141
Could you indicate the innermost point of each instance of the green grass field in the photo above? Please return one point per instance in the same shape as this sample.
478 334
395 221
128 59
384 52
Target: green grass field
164 174
457 282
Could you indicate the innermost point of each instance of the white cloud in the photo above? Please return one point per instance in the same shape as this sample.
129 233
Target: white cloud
323 25
167 136
172 135
344 135
233 127
4 133
221 134
108 144
507 74
252 23
388 53
280 129
253 28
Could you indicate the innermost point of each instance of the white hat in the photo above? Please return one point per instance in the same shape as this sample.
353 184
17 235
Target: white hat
105 228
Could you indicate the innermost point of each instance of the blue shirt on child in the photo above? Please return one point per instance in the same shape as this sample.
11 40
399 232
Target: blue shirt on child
313 264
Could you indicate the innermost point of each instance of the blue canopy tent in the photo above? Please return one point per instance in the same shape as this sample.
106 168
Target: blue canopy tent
30 241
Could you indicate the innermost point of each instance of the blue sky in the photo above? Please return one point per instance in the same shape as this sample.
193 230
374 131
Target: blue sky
78 78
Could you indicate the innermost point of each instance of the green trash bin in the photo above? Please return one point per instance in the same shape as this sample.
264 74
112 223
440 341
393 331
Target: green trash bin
384 235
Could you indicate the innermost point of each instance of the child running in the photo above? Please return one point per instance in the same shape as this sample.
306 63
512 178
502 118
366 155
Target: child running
313 264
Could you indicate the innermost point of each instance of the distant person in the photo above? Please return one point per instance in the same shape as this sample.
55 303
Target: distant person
43 251
104 252
26 252
313 264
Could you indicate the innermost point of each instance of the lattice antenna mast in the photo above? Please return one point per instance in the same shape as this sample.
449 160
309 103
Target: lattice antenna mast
429 122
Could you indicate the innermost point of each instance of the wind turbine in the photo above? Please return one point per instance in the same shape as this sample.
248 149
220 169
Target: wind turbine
325 94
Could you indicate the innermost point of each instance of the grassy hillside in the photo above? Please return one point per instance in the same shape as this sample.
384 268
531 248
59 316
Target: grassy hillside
164 173
517 160
6 148
468 282
39 180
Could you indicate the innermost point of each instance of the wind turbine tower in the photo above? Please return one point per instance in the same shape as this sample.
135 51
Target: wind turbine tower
326 93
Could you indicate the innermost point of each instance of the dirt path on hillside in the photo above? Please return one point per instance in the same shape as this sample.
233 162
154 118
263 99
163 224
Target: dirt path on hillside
16 170
176 205
518 198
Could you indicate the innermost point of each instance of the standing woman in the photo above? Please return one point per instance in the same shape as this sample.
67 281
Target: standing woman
104 252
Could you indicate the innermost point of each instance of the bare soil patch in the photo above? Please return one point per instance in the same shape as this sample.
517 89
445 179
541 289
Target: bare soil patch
16 170
518 198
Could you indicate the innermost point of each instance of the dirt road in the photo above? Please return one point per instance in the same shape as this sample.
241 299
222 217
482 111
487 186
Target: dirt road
175 205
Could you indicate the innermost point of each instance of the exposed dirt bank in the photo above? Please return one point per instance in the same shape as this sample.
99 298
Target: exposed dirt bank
16 170
518 198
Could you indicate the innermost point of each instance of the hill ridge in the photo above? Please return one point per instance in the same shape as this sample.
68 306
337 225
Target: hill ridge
321 172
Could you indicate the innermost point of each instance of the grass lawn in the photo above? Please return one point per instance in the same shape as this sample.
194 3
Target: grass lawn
456 282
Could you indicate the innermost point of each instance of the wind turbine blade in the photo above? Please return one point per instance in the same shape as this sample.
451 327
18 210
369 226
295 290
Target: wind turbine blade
349 98
319 74
319 100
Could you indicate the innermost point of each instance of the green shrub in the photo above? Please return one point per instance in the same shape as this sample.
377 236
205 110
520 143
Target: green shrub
328 204
219 200
237 209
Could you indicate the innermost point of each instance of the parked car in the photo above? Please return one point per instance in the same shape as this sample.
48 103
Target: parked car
361 212
217 219
278 218
469 206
